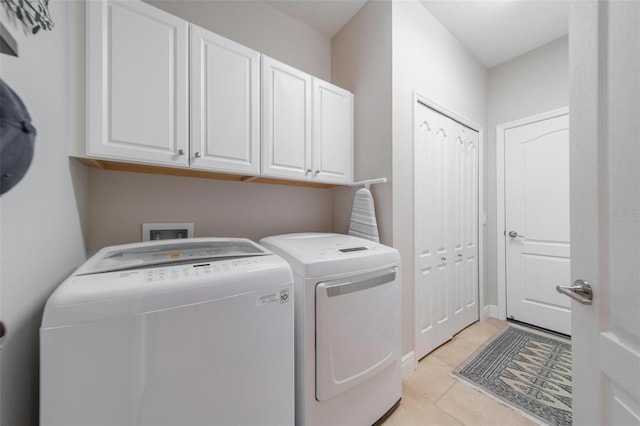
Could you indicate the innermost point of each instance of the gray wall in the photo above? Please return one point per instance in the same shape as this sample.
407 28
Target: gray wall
42 217
428 59
260 26
385 52
361 62
44 222
531 84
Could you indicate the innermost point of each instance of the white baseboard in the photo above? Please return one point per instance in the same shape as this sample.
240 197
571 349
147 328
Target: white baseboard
489 311
408 363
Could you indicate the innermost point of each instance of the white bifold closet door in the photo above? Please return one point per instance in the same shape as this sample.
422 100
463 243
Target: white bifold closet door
446 226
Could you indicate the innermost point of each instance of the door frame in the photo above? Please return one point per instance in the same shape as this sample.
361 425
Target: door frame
501 246
419 98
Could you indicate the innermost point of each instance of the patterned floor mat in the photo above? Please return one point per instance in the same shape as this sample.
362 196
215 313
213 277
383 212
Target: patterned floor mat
526 370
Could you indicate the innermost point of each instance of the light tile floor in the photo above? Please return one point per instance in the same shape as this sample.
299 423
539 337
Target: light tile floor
430 396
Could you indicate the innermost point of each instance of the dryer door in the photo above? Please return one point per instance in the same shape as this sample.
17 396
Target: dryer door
357 330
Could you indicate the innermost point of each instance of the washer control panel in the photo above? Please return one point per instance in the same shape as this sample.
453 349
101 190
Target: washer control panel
188 271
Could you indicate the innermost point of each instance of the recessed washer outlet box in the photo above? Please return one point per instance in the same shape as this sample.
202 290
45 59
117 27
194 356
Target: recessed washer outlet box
166 231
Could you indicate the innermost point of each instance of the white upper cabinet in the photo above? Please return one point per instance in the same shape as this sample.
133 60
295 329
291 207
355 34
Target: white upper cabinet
163 92
332 133
137 61
286 121
307 126
225 104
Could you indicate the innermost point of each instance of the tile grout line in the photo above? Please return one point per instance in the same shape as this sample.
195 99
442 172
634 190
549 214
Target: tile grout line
452 368
443 400
459 420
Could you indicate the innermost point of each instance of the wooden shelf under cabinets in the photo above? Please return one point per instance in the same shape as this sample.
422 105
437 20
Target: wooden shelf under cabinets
159 170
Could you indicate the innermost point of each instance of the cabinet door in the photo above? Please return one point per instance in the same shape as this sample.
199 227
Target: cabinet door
286 121
225 104
137 88
332 133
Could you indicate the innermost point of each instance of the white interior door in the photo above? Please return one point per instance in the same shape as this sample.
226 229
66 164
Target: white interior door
463 236
536 170
605 210
446 219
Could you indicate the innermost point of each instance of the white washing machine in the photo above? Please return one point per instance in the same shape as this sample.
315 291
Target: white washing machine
173 332
347 322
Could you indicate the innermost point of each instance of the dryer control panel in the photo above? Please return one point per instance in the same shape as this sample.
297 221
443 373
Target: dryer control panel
341 250
348 250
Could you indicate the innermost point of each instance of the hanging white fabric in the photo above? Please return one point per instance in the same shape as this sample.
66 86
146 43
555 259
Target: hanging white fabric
363 221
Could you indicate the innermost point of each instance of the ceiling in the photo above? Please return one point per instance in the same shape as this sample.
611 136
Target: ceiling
494 31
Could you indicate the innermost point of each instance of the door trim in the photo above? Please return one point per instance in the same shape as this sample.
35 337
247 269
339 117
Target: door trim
501 248
426 101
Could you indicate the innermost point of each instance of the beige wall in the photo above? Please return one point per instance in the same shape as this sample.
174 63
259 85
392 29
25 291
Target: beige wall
42 217
361 63
121 202
428 59
260 26
531 84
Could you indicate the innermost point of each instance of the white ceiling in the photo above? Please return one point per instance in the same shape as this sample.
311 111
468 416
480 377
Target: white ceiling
494 31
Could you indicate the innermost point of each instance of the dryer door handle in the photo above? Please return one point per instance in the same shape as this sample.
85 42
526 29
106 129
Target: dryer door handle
351 286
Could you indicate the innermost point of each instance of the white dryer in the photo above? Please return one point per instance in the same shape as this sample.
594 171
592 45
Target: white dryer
347 327
173 332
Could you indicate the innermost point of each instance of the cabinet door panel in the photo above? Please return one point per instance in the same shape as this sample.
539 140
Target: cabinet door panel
137 83
225 104
332 133
286 109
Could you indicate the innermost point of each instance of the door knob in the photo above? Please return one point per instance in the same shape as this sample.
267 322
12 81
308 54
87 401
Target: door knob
1 329
580 291
514 234
181 152
197 155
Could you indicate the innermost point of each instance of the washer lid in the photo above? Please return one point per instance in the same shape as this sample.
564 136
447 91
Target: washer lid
324 254
168 252
208 269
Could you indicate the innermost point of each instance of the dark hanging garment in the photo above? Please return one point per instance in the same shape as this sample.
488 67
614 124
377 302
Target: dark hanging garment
17 137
